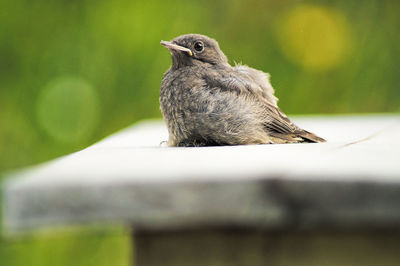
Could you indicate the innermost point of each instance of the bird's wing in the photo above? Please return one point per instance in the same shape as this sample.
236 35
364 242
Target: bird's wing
277 124
261 79
275 119
242 79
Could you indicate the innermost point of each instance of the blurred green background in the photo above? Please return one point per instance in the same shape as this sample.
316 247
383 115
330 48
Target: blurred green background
73 72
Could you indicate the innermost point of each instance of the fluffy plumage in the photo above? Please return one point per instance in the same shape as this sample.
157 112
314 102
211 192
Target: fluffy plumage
205 101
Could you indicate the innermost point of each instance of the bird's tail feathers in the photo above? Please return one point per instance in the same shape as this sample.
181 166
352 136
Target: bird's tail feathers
309 137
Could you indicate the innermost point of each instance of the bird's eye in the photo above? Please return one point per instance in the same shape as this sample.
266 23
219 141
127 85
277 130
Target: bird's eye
199 46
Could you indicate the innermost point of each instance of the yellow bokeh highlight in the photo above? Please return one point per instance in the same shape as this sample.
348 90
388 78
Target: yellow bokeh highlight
316 38
68 109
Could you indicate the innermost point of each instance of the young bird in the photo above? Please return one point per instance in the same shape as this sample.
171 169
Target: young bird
207 102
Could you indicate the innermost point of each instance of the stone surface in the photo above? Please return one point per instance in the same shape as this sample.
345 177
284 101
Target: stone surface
353 180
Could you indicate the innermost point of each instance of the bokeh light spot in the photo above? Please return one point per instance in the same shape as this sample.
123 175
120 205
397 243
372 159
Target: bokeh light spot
68 109
315 38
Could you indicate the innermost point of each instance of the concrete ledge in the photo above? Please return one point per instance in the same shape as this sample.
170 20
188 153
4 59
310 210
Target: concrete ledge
351 181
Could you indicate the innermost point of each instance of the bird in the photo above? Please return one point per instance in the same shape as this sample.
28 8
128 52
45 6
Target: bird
207 102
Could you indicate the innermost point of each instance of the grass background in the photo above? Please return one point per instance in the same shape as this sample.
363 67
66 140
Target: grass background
72 72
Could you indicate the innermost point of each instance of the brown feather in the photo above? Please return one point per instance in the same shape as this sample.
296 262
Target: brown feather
310 137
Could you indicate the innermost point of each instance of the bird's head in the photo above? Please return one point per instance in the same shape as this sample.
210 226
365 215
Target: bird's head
194 49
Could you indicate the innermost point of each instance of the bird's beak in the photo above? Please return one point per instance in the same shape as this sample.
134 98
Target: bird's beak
172 46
